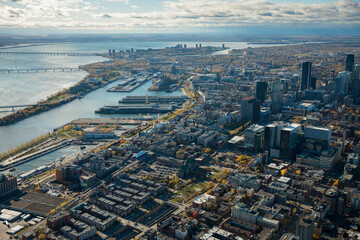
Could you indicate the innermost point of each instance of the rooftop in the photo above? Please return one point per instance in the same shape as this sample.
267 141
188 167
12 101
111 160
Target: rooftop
204 198
236 139
255 128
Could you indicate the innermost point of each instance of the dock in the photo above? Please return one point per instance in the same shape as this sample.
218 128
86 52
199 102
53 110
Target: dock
153 99
135 109
129 84
106 121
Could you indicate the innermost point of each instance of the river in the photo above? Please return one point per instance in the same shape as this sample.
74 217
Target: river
27 88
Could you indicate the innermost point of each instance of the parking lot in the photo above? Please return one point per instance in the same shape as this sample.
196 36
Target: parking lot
38 203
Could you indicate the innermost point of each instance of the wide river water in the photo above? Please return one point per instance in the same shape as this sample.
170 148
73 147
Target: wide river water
27 88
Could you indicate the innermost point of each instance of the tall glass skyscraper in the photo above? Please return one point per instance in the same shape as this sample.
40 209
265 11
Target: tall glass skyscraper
261 88
350 60
306 79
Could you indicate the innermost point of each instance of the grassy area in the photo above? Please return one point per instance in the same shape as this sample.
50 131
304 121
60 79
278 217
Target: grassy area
57 98
220 175
69 130
190 191
217 174
68 133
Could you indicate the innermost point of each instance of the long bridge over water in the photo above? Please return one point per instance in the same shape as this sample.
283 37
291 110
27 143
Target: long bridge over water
35 70
51 53
20 106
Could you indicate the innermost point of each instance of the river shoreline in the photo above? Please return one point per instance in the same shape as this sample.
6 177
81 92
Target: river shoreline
46 105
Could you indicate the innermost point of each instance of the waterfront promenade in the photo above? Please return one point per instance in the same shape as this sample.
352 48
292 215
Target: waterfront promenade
14 161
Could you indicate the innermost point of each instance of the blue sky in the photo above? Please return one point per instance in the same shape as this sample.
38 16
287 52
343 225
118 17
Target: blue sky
153 16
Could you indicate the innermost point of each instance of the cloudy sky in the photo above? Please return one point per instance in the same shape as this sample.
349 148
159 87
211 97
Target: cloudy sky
23 16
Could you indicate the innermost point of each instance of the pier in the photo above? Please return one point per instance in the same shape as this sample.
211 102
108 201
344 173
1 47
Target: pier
135 121
135 109
50 54
129 85
107 121
153 99
36 70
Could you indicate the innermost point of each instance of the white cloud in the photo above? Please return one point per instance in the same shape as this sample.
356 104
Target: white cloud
124 1
134 6
79 14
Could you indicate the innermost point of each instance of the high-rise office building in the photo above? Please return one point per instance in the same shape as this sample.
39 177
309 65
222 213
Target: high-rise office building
350 60
312 82
341 83
254 138
305 228
357 71
350 67
261 88
355 83
317 138
306 76
277 86
355 88
282 139
278 131
289 137
250 109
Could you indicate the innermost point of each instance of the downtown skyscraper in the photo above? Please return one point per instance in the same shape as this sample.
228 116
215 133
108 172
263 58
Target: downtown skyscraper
307 80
